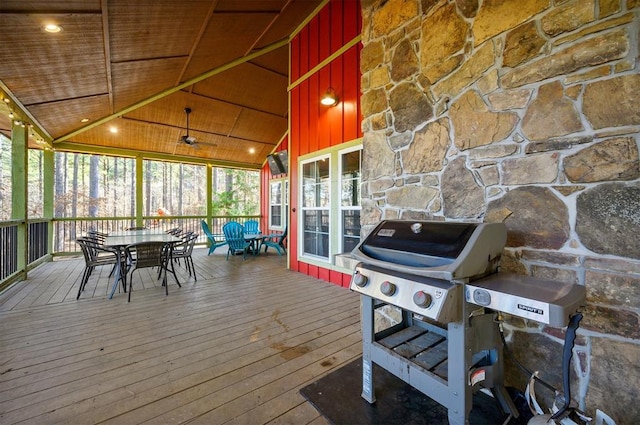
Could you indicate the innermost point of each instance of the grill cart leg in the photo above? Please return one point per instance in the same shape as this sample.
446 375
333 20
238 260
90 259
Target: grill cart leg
458 396
366 310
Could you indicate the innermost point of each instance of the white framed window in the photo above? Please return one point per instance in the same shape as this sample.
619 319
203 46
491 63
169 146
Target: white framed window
350 166
278 195
330 200
316 208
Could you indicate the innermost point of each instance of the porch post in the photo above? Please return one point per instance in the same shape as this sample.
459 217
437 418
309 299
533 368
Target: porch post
139 188
209 195
19 192
48 194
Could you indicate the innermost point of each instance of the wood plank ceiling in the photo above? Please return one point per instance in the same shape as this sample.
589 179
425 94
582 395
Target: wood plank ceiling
137 64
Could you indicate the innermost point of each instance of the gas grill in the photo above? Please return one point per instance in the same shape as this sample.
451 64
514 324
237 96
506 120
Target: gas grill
443 278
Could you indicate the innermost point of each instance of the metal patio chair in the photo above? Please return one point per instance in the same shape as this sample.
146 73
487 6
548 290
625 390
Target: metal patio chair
150 254
96 255
184 250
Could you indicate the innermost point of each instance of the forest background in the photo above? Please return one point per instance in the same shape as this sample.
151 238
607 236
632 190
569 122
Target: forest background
104 186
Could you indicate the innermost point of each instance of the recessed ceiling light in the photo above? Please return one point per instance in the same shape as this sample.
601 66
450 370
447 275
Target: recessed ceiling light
84 120
113 129
7 100
252 150
52 28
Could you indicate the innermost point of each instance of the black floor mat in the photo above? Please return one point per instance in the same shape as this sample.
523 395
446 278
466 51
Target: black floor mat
337 397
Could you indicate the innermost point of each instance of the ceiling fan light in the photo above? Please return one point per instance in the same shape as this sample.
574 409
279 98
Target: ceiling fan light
330 97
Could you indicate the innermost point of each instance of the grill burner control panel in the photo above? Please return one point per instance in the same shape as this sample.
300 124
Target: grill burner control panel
432 298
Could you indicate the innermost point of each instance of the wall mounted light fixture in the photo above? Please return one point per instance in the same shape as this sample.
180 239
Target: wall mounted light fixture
330 98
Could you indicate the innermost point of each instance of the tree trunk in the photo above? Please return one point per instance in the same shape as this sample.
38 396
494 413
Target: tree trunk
115 199
132 190
180 186
74 193
2 185
165 188
147 185
94 185
59 200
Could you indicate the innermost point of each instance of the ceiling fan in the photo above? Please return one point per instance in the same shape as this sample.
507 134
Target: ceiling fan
186 139
191 140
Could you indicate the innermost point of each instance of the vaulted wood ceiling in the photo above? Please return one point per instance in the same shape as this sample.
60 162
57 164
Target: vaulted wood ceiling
137 64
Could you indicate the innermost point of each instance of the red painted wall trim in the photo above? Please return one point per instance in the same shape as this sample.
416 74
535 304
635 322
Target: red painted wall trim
314 127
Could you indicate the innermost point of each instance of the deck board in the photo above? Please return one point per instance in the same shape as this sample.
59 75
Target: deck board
235 346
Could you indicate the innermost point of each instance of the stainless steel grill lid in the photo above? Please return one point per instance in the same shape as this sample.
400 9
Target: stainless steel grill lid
441 250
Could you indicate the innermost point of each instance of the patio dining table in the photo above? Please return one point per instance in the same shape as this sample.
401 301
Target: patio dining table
119 240
254 241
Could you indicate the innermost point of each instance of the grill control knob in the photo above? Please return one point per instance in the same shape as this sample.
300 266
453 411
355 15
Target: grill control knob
422 299
481 297
388 288
360 280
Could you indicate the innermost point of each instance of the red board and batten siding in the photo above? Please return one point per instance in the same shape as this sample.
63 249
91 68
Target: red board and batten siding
314 127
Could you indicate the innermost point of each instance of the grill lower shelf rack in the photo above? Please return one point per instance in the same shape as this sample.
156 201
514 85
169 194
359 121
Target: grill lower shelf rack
420 346
446 362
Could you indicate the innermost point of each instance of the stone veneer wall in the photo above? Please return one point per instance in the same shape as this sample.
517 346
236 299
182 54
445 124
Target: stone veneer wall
527 112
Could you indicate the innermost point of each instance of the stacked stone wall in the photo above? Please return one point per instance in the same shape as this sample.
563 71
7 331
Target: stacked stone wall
525 112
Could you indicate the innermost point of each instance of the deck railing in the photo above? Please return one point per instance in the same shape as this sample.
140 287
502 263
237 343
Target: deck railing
8 248
36 245
67 230
38 237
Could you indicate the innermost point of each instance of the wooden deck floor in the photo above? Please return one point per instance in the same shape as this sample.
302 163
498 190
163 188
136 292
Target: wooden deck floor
233 347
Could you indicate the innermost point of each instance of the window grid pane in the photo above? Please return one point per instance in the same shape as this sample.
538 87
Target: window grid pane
350 199
316 200
275 204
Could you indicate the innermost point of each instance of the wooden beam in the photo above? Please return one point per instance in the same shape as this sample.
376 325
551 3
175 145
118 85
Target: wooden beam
327 61
130 153
175 89
25 112
48 193
19 192
139 191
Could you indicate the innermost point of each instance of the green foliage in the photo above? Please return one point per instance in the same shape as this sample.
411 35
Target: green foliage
236 192
179 189
224 204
